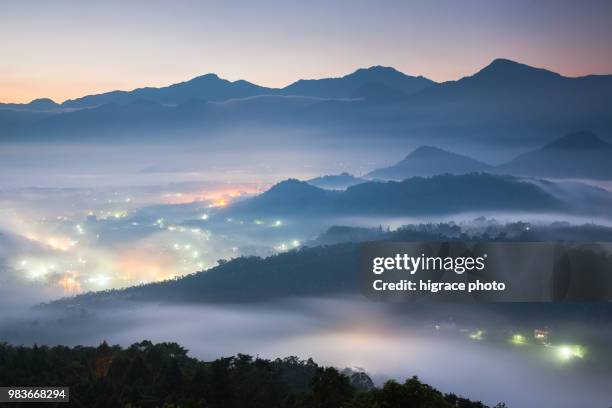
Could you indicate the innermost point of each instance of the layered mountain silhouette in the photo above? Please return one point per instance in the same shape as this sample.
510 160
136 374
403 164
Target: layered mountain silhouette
42 104
429 161
504 102
443 194
336 181
207 87
575 155
358 83
507 100
508 82
578 155
210 87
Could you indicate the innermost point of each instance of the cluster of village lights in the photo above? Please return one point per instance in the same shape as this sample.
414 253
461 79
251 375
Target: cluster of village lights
563 352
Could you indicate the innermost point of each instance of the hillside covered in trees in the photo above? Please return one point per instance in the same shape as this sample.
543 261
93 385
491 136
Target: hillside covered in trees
327 266
163 375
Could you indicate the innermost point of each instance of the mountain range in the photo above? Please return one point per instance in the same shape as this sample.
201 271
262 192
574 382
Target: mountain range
358 83
443 194
210 87
579 155
575 155
505 102
42 104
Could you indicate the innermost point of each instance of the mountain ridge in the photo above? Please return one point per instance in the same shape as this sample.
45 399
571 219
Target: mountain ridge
500 68
429 161
441 194
336 181
39 104
180 92
207 87
574 155
526 106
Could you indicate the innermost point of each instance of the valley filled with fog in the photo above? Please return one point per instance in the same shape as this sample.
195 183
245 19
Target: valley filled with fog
94 223
228 217
77 218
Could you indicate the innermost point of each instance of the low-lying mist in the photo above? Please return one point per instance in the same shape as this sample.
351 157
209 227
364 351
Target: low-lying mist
435 342
75 218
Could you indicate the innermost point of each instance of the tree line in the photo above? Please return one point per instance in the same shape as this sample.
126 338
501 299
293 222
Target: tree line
163 375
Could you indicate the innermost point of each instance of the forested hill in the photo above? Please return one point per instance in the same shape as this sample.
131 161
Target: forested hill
163 375
443 194
329 267
316 271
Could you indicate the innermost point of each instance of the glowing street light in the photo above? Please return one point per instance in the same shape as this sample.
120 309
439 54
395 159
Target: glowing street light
518 339
568 352
542 336
477 335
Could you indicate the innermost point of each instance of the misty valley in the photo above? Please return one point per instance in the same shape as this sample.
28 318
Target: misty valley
153 234
279 276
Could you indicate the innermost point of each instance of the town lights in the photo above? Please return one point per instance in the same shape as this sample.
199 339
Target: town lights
569 352
518 339
477 335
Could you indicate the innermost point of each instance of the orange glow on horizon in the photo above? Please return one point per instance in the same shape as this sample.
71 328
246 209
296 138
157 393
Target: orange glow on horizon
220 197
19 89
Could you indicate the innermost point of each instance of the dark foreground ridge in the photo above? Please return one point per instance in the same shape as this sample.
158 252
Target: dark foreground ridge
163 375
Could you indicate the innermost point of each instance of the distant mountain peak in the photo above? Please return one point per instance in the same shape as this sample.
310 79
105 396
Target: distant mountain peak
285 196
501 69
574 155
208 87
429 161
579 140
428 151
379 72
431 153
371 83
43 102
208 76
508 64
384 70
378 69
40 104
291 186
505 62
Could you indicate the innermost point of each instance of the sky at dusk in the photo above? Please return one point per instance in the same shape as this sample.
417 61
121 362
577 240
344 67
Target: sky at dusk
65 49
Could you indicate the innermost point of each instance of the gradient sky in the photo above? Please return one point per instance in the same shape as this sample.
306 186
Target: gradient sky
64 49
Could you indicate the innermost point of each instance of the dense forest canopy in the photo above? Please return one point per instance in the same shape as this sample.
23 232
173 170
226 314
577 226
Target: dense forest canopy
163 375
